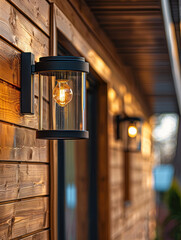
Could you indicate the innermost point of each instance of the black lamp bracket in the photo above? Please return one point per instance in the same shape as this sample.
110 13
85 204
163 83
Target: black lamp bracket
123 118
45 64
27 83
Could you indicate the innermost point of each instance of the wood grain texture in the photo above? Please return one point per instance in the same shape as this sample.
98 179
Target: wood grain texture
53 145
9 64
10 60
103 166
44 235
20 144
21 32
23 180
10 108
23 217
37 11
20 218
129 179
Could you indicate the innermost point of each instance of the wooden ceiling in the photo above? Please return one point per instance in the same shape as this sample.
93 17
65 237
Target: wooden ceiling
136 29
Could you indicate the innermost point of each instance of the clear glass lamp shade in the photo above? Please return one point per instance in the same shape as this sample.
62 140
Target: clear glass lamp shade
67 99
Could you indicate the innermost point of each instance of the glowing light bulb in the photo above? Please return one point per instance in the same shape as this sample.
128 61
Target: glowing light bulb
132 131
62 93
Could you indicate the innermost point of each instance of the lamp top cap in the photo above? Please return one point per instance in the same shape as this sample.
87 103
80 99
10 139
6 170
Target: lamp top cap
134 119
123 118
62 63
62 58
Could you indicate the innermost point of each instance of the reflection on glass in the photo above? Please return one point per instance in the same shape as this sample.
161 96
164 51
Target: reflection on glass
71 196
70 191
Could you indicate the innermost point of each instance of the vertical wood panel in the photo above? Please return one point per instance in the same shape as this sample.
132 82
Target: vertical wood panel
53 145
103 165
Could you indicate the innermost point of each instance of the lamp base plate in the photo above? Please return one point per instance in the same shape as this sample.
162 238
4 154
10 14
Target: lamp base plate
62 134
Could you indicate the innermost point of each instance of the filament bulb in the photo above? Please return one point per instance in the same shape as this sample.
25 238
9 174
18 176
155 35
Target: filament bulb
132 131
62 93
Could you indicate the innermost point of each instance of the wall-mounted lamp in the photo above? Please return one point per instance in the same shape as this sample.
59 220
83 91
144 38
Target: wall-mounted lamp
67 77
129 130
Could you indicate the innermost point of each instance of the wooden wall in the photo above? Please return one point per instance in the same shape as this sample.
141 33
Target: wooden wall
136 220
24 160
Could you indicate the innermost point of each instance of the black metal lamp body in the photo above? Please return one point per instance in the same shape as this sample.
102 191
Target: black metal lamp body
67 77
128 129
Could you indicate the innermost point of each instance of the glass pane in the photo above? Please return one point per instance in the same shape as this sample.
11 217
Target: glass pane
70 191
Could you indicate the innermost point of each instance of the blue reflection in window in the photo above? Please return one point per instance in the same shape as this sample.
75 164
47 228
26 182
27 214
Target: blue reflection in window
71 196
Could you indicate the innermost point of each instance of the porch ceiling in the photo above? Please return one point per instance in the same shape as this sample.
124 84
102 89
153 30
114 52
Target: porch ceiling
136 29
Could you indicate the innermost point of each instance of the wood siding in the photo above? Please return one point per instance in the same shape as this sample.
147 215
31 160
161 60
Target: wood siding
37 236
97 48
133 219
24 160
77 27
23 180
23 217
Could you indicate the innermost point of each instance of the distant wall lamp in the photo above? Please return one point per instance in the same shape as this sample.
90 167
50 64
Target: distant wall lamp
67 94
129 130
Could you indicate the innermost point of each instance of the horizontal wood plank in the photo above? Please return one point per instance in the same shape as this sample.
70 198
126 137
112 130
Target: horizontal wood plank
23 217
10 60
44 235
23 180
10 108
9 64
37 11
21 32
20 144
115 158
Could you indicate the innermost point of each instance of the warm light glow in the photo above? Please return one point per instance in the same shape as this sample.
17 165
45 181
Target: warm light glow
128 98
111 94
132 131
98 63
122 89
62 93
146 140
